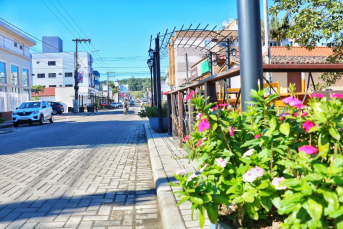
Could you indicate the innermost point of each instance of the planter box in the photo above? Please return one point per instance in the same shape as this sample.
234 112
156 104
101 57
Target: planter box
154 124
219 225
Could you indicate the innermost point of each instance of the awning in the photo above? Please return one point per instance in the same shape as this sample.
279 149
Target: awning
167 92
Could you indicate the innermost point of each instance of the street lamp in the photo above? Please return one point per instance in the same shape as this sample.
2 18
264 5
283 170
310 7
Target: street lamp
150 63
151 53
233 52
215 61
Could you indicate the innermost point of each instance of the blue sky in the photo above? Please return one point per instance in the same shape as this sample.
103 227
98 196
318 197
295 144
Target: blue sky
120 29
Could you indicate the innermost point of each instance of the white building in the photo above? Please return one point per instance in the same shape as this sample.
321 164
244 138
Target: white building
57 69
15 67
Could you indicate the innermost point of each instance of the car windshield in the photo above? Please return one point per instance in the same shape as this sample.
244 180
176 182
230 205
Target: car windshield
30 105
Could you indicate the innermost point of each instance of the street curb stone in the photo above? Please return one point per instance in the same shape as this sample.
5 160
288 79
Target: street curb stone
170 214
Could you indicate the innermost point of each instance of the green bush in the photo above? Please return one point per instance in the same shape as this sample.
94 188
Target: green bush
152 112
265 166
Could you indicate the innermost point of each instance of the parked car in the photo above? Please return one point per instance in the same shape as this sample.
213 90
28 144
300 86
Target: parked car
120 104
57 108
32 111
132 103
114 105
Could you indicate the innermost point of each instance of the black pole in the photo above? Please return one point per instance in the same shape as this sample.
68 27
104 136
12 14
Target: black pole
228 61
154 78
158 83
250 49
76 78
210 63
152 96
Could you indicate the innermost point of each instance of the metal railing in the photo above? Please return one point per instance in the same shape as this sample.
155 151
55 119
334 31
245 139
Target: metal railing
10 101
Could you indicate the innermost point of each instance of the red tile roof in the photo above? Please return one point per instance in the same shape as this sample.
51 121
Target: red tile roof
48 91
300 51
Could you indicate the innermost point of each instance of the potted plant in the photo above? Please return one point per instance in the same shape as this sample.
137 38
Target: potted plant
152 114
261 169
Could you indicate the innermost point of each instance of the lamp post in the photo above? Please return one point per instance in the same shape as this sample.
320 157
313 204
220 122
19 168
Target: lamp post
151 64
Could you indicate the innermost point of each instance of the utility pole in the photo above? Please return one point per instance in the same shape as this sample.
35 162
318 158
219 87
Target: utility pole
267 35
76 76
186 66
108 90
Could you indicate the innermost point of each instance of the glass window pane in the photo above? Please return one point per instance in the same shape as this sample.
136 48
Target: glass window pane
3 73
2 89
14 75
25 78
15 89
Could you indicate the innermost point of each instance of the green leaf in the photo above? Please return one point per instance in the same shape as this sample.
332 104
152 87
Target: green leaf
267 203
174 185
212 212
320 168
284 128
337 213
295 198
214 117
313 177
313 208
196 200
323 145
291 183
220 199
272 123
183 200
334 133
206 197
331 198
201 215
249 196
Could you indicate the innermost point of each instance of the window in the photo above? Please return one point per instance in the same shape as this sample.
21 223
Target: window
26 78
69 85
14 75
15 90
222 44
21 47
15 44
60 85
51 63
52 85
2 89
3 73
37 62
68 74
52 75
41 75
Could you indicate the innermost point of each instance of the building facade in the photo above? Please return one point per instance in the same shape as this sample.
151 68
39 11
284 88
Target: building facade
15 67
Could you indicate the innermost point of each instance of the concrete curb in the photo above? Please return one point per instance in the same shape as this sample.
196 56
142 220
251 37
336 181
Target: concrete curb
170 214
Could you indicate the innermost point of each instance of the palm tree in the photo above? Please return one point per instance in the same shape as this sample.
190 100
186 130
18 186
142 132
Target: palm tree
279 30
114 89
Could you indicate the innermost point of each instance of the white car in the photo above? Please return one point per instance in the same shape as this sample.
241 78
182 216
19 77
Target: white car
32 111
114 105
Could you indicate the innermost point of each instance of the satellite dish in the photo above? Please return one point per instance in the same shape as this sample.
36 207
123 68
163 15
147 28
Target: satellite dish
227 22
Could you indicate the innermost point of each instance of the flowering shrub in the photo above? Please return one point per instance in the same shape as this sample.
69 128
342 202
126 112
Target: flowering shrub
264 166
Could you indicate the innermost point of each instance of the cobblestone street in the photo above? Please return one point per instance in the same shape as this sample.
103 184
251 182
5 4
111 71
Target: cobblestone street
78 172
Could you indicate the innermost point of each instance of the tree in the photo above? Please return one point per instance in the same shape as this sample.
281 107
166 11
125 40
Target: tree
278 30
314 22
36 89
114 88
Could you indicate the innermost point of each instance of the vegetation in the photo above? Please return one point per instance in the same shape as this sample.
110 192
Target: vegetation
152 112
258 167
313 22
36 89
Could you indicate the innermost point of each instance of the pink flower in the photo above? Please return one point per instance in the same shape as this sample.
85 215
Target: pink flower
317 96
189 95
295 103
340 129
215 108
304 114
276 182
287 100
299 106
308 125
188 136
191 177
204 167
249 176
198 116
258 135
258 171
337 95
222 105
200 141
248 152
282 118
231 129
180 171
204 125
308 149
222 163
295 114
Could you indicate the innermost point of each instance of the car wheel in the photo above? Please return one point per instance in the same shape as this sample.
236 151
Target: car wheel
51 120
41 120
55 112
15 124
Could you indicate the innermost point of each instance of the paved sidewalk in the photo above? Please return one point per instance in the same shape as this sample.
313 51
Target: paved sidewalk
166 157
84 173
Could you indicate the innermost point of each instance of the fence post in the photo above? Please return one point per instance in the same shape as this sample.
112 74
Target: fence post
190 114
179 93
169 104
209 91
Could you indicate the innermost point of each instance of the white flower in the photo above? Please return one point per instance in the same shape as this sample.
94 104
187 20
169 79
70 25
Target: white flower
180 171
248 152
276 182
249 176
191 177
